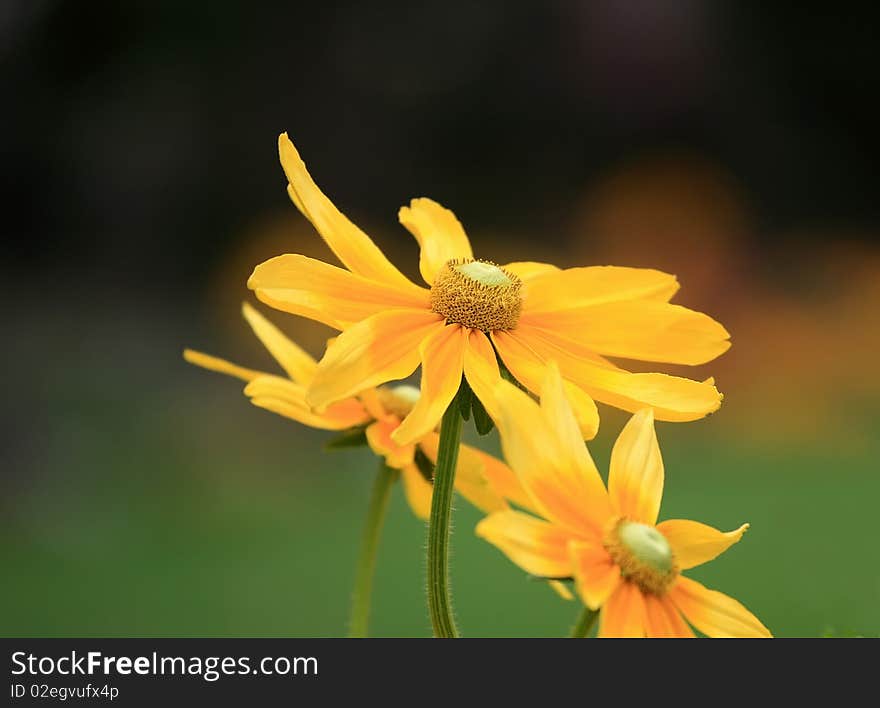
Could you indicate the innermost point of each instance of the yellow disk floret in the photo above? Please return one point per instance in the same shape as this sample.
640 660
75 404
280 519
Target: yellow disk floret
398 400
643 555
477 294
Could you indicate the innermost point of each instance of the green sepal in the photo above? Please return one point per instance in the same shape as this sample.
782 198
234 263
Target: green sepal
482 421
353 437
424 465
465 396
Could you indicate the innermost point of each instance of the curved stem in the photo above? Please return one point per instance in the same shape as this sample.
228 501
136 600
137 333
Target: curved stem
363 579
439 603
585 621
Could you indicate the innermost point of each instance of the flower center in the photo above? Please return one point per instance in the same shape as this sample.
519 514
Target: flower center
398 400
477 294
643 555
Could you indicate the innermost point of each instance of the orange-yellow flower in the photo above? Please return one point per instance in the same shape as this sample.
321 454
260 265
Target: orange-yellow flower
609 541
529 313
480 478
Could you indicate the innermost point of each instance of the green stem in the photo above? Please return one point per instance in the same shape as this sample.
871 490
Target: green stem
363 579
585 621
439 603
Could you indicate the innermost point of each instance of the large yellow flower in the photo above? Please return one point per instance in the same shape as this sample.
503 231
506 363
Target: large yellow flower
609 541
480 478
529 313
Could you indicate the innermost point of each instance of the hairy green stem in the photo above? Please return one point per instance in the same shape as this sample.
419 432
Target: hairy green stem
363 579
585 621
439 602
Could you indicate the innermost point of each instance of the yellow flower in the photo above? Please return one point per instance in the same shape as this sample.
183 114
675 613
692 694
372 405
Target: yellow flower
480 478
528 312
609 541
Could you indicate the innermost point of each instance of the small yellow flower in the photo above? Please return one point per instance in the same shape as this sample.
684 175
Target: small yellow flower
529 313
480 478
609 541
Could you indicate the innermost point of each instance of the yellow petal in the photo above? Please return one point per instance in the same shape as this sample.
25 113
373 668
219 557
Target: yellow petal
635 479
442 355
595 574
471 480
287 398
481 371
381 442
300 367
212 363
713 613
526 270
694 543
320 291
538 547
592 285
370 398
663 621
646 330
381 348
418 491
439 233
351 245
560 589
502 479
673 398
624 613
562 482
530 370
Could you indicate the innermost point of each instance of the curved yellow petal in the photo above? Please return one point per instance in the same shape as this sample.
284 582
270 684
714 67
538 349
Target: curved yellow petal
647 330
673 398
694 543
213 363
442 355
635 479
418 491
663 621
287 398
502 479
527 270
560 589
471 480
713 613
563 483
623 615
320 291
384 347
592 285
382 443
351 245
530 370
481 371
439 233
299 365
596 575
538 547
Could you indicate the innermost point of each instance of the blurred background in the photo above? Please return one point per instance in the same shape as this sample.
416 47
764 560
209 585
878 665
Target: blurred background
733 145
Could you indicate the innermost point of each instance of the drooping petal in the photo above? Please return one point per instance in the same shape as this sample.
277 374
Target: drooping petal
418 491
595 574
592 285
503 480
299 365
213 363
560 589
563 483
438 232
320 291
530 370
287 398
471 480
635 479
481 371
384 347
538 547
382 443
623 615
673 398
442 355
351 245
694 543
527 270
663 621
713 613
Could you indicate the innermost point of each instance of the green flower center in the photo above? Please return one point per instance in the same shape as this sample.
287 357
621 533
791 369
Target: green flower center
643 555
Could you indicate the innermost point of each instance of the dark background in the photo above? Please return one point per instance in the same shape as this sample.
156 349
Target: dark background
731 143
